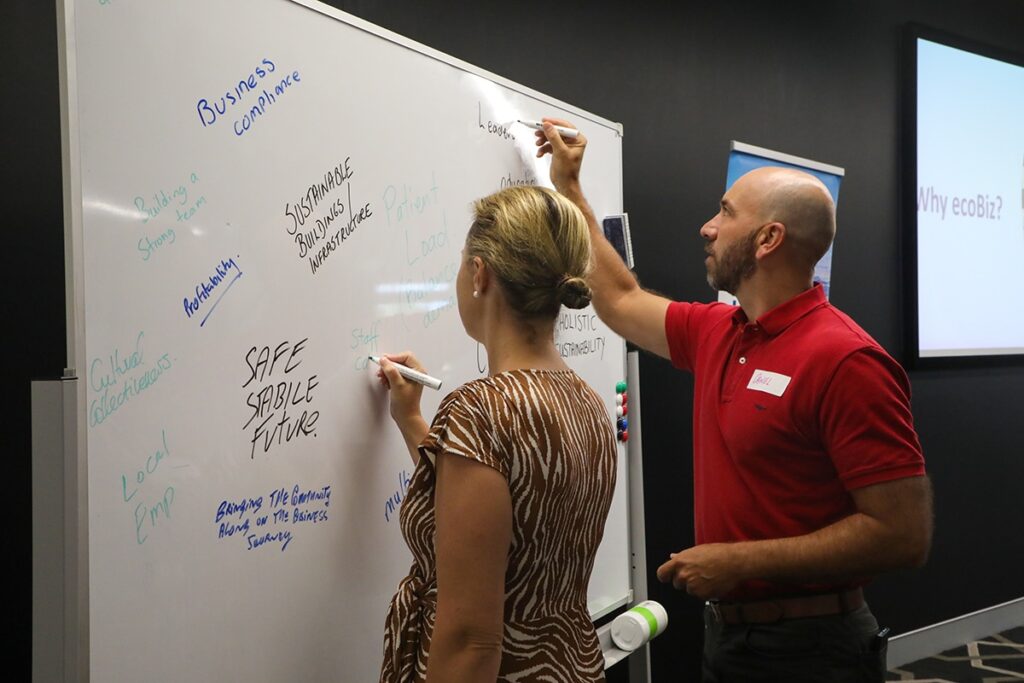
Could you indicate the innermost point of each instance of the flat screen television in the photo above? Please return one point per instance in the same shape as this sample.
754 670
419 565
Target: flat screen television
963 201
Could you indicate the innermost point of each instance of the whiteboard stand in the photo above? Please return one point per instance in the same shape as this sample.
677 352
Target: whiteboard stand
60 631
639 660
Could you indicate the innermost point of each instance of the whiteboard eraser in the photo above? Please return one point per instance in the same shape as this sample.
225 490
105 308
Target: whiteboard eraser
639 624
616 231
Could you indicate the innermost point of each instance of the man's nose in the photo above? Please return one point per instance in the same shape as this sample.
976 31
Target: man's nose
708 230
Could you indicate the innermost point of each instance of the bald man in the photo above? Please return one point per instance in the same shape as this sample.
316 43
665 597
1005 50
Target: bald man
808 474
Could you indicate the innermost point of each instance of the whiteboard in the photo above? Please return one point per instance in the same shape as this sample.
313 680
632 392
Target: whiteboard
261 193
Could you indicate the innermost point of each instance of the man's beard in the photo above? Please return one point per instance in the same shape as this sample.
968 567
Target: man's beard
734 265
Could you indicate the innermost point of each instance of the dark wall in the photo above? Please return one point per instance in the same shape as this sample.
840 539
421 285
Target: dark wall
819 80
33 273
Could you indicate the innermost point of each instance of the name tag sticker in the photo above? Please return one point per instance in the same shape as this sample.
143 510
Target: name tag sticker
769 382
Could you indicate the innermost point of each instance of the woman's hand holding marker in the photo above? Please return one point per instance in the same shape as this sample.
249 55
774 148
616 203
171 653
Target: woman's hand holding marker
405 393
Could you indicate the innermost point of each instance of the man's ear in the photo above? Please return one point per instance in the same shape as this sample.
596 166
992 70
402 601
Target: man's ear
770 238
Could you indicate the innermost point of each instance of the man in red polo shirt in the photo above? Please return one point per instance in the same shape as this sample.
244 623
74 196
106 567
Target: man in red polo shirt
808 474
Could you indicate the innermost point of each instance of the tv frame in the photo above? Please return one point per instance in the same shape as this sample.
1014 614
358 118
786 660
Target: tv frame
908 197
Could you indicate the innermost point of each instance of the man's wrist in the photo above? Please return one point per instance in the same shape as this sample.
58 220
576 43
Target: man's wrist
745 565
571 190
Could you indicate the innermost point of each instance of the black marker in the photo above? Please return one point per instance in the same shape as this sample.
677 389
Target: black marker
410 374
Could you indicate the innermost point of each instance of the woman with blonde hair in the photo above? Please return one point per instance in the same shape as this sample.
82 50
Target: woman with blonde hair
514 476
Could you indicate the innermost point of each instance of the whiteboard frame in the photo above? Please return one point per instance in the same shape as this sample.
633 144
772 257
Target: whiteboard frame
75 635
73 467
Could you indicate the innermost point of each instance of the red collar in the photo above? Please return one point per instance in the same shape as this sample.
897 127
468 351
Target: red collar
785 314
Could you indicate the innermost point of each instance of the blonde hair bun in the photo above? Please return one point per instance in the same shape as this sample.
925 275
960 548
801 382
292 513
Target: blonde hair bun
574 292
537 243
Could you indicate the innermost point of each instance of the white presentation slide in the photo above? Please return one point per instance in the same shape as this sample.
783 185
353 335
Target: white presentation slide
970 189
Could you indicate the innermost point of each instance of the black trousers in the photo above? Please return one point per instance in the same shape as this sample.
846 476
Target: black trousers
842 648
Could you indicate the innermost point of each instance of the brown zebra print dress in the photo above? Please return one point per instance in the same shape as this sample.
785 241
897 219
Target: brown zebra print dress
549 435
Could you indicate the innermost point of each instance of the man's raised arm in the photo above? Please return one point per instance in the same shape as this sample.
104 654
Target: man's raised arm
630 311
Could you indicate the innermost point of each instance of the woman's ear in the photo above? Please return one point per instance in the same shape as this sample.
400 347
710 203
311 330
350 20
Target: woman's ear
481 275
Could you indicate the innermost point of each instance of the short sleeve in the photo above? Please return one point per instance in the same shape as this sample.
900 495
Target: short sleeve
868 429
462 427
685 325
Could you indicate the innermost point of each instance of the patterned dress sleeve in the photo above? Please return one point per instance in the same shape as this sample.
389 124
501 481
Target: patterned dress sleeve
464 426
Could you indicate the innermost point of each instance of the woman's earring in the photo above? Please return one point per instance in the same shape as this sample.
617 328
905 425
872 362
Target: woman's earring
476 294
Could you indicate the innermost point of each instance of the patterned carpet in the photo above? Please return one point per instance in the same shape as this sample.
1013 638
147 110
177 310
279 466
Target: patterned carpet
995 659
